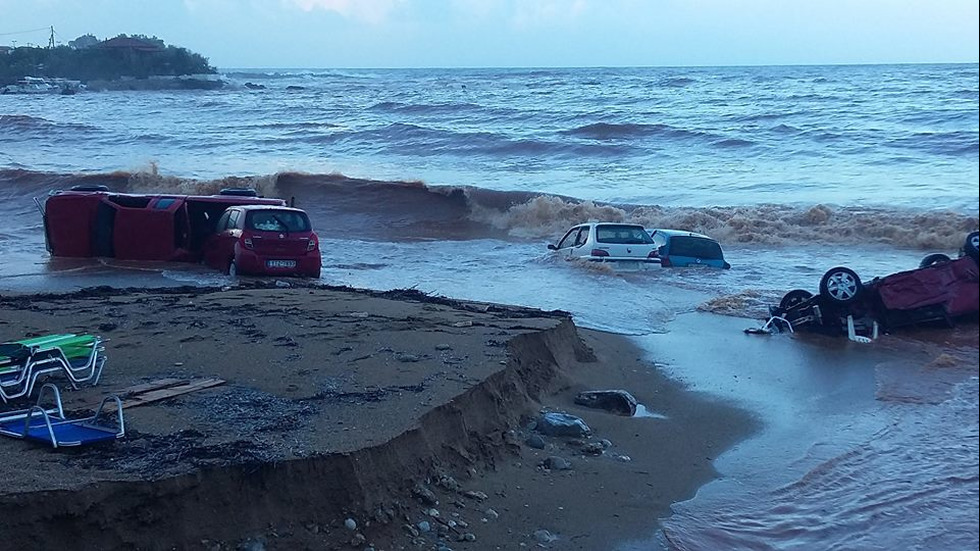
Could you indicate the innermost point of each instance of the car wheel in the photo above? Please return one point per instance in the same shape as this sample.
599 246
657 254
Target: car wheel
232 269
841 285
971 245
794 298
932 259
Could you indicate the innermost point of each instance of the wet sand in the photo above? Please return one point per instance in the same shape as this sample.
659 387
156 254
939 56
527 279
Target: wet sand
396 411
852 436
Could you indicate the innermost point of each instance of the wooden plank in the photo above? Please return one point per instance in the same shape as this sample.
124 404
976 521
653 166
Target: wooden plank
170 392
152 385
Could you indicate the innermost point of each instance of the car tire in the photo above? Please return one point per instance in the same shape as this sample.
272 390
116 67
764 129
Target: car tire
933 259
232 269
794 298
841 285
971 245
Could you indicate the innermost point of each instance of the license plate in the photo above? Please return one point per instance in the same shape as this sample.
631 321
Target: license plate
280 263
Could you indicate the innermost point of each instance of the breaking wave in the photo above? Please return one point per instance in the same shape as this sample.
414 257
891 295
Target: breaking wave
26 124
762 224
612 131
404 211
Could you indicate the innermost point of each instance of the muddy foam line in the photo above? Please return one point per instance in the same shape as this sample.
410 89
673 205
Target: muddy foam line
397 211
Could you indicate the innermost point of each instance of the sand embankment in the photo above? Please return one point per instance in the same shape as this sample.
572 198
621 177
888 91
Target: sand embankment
341 404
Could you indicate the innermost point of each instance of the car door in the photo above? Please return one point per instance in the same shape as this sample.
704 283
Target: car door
572 240
219 248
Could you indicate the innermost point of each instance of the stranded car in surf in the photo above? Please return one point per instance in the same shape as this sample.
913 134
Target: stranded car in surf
607 242
91 221
265 240
681 249
941 290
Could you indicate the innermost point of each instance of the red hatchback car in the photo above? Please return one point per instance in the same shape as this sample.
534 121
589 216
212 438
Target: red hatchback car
263 240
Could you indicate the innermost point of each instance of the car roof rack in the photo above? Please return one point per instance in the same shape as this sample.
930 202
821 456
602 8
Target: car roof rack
239 192
90 187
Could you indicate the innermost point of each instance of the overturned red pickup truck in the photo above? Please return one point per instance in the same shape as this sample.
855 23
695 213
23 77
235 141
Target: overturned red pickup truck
941 290
266 238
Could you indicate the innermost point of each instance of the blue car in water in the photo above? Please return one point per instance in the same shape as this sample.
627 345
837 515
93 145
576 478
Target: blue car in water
679 248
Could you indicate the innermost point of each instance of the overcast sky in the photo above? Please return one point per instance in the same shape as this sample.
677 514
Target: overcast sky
518 33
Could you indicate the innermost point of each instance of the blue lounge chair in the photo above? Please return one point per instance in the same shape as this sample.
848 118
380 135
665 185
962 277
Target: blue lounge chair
48 425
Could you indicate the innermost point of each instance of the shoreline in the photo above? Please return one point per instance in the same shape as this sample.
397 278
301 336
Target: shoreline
439 395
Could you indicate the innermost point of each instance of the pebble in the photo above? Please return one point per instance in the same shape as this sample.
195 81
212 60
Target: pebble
383 516
491 514
476 495
593 448
424 526
535 441
556 463
252 545
351 524
448 483
443 347
407 358
555 423
544 536
411 530
425 495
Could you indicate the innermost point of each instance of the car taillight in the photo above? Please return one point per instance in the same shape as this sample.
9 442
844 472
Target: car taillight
665 261
654 254
311 244
248 243
599 252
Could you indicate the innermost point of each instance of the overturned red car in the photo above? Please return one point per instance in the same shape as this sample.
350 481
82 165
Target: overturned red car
91 221
941 289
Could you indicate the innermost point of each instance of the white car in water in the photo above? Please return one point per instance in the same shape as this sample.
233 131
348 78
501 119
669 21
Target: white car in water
607 242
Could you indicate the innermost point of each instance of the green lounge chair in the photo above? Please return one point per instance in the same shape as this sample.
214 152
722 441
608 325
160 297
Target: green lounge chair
79 357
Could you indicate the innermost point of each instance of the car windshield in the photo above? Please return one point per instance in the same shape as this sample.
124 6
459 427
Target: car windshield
622 234
277 220
696 247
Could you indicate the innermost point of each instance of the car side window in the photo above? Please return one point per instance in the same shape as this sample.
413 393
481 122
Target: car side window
233 219
583 236
222 222
570 238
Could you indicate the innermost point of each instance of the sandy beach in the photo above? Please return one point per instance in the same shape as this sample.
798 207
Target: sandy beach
353 419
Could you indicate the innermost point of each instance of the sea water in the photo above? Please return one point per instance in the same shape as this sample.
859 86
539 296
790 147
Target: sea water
453 181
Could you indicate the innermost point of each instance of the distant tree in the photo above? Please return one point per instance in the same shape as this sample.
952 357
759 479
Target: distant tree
99 63
148 39
84 41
